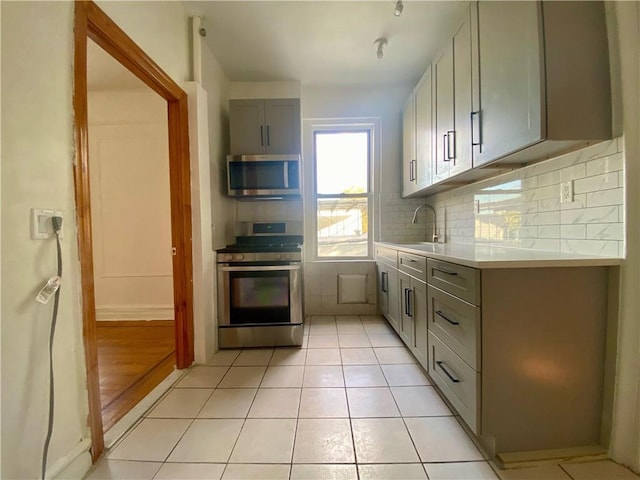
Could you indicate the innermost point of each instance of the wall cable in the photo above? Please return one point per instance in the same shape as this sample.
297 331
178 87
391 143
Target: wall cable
57 224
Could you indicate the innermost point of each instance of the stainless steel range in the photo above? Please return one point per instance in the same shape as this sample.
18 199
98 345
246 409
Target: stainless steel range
260 286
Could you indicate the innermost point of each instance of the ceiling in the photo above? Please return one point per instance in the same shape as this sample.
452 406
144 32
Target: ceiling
325 42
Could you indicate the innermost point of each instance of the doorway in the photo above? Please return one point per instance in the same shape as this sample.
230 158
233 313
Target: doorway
91 23
131 234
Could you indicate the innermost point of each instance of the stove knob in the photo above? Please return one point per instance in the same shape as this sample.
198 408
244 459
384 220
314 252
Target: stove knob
238 257
286 256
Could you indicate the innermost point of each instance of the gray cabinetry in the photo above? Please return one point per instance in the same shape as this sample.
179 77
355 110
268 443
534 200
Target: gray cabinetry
409 163
543 75
519 81
454 318
417 137
388 286
265 126
514 349
413 303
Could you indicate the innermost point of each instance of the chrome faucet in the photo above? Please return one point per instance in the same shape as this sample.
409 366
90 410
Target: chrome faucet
434 236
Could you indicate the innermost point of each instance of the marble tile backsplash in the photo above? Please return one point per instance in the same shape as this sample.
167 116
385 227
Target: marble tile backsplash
523 208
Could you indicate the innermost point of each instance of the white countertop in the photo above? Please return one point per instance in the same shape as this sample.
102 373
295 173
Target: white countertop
483 256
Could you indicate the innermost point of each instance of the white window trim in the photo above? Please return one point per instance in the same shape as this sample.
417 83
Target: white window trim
310 126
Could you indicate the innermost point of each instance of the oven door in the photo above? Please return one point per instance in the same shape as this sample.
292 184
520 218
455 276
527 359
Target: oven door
259 295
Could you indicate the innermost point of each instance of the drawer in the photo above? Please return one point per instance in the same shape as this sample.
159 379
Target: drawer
462 282
456 380
387 255
456 323
414 265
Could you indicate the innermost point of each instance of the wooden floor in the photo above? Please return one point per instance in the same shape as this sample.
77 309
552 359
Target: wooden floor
133 358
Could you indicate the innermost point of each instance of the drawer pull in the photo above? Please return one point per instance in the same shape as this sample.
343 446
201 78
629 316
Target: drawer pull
446 372
410 260
384 281
440 314
448 272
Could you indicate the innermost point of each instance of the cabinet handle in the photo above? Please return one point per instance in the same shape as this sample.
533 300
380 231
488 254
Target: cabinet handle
451 152
415 170
268 139
445 142
412 170
261 136
383 280
446 372
473 134
410 297
448 272
440 314
406 302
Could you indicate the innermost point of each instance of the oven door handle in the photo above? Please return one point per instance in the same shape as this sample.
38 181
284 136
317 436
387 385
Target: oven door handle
260 268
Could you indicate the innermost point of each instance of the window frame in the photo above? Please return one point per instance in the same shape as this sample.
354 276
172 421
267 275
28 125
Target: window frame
372 127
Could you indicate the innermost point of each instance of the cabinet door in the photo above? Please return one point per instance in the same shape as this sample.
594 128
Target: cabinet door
246 119
424 130
393 300
282 126
409 147
511 78
462 63
444 120
383 289
420 319
406 316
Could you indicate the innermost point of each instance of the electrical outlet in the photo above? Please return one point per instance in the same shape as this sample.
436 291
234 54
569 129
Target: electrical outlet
41 227
566 192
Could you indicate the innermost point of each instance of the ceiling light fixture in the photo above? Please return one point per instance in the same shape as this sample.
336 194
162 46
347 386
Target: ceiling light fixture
381 42
398 8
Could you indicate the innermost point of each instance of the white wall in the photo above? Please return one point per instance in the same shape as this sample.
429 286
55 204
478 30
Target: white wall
213 212
383 104
130 205
37 161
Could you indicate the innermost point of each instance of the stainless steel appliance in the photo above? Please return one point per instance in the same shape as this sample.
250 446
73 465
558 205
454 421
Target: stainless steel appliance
263 175
260 287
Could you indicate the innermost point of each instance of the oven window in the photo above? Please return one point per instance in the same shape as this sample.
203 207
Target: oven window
259 297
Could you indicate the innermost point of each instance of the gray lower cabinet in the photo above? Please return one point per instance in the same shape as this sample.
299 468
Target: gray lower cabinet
520 352
413 304
388 286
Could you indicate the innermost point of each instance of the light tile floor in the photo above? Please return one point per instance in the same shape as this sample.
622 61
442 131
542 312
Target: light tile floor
351 404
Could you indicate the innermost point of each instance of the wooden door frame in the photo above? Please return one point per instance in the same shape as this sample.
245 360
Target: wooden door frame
92 23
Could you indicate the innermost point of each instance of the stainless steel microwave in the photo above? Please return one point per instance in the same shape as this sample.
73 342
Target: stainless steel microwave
263 175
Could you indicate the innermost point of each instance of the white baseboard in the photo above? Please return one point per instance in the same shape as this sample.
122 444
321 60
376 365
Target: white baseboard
74 464
135 312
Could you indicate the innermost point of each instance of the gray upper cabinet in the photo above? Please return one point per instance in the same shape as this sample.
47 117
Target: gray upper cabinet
543 79
444 128
424 127
417 137
518 82
462 92
409 178
265 126
453 105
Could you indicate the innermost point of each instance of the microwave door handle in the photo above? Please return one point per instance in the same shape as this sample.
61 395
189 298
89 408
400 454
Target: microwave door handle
286 174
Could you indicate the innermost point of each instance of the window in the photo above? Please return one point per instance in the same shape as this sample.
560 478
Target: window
342 187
